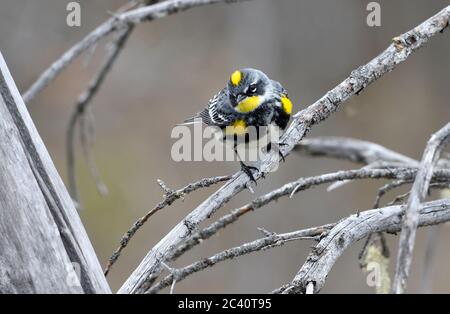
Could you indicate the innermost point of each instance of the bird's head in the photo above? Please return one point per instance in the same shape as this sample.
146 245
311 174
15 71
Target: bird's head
247 89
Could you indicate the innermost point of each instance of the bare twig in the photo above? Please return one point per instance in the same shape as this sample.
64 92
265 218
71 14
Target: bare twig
371 239
80 109
116 22
374 165
352 229
400 198
386 188
268 241
419 191
170 196
199 237
371 154
174 272
396 53
209 231
352 149
86 123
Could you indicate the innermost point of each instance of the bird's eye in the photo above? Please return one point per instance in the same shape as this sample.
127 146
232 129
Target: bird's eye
252 89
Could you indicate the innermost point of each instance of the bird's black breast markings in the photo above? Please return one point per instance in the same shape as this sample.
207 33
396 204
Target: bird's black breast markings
281 118
261 116
264 115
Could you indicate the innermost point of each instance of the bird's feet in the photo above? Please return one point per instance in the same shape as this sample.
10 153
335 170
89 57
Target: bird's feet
248 171
269 148
279 151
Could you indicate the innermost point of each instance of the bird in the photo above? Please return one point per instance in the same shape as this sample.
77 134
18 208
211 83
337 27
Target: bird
250 99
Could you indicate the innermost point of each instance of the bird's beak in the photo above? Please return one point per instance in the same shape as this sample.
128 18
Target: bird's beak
240 98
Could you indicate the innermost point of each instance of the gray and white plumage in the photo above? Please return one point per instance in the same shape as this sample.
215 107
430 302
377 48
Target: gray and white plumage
253 98
251 109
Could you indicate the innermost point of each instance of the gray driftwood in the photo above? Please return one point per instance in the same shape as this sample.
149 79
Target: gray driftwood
315 270
44 247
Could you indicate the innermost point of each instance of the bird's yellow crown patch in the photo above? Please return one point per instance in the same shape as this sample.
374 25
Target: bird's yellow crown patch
287 104
236 77
248 104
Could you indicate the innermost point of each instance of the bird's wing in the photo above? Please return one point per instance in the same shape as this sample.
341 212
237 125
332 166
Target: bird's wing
279 89
215 113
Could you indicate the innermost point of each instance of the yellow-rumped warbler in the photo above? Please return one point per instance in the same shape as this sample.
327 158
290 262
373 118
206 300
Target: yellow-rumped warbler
250 99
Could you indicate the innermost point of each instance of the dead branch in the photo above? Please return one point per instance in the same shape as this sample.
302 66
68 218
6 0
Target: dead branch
170 196
355 150
419 191
81 107
316 233
270 241
80 116
389 219
117 22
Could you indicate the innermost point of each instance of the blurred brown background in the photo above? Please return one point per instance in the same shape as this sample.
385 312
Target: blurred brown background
168 71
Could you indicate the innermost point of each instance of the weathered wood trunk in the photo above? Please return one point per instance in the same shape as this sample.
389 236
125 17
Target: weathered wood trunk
44 247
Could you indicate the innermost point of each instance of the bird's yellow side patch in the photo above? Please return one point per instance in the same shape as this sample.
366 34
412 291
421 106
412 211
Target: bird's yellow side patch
238 127
236 77
248 104
287 104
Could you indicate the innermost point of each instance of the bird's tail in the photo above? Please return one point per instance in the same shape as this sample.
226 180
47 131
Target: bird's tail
195 119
